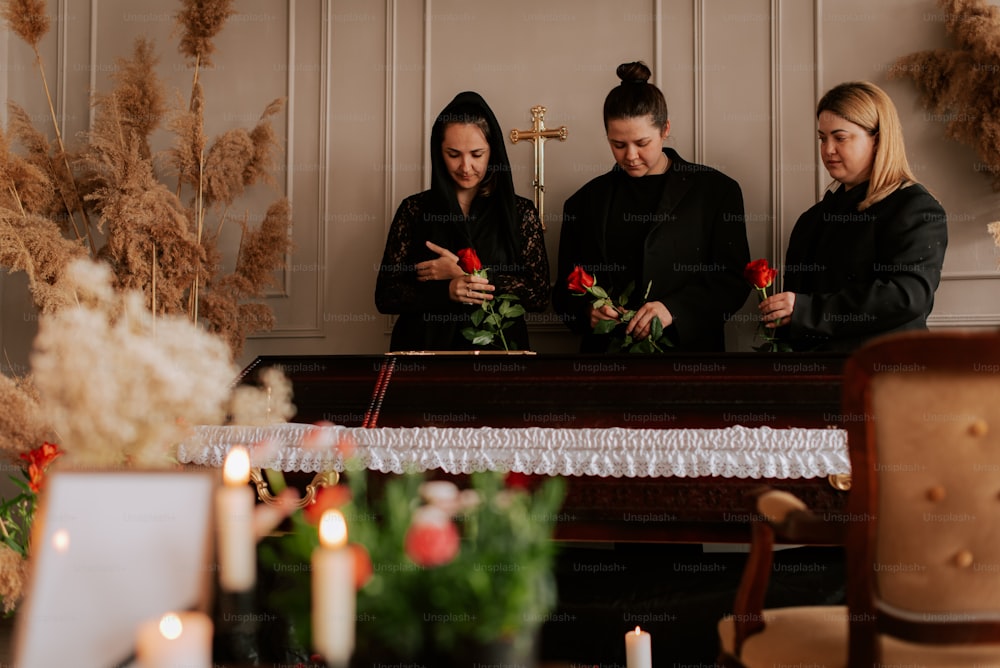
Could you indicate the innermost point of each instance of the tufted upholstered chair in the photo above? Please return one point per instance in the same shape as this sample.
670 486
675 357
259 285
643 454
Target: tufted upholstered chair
922 527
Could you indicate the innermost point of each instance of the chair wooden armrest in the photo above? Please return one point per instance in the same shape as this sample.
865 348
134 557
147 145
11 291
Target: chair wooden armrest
793 522
776 513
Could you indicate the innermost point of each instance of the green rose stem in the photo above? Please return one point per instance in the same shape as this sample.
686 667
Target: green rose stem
488 307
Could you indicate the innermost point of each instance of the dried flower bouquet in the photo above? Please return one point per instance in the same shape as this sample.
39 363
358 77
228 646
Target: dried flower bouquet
112 203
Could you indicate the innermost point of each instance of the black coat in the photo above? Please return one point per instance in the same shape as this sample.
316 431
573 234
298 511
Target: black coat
501 227
694 254
860 274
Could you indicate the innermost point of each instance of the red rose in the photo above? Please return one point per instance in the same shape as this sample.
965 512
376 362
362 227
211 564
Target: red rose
579 281
469 261
759 274
516 480
432 539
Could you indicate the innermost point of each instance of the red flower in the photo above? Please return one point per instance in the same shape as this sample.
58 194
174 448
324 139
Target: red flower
579 280
325 499
432 539
516 480
38 461
469 261
759 274
362 564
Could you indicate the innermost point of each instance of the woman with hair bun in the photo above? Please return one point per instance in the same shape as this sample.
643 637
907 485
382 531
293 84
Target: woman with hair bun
865 260
657 222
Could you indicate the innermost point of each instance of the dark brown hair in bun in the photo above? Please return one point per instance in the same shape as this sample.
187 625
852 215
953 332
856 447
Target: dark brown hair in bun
636 73
635 96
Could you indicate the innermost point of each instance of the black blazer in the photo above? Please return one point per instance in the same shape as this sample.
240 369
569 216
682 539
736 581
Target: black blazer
860 274
694 254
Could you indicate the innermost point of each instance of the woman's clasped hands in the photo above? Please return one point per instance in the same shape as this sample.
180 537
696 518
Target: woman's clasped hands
462 288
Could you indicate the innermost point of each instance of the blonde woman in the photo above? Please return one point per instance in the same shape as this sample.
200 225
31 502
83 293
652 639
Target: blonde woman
865 260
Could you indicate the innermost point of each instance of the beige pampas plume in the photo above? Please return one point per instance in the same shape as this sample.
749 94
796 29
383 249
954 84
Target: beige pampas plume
261 253
58 195
138 94
29 241
34 245
238 159
120 388
28 19
22 424
23 186
200 21
154 237
268 402
188 149
994 230
145 221
962 85
263 249
13 578
224 165
265 142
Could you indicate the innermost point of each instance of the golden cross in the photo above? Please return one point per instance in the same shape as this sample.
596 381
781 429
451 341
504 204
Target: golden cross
537 136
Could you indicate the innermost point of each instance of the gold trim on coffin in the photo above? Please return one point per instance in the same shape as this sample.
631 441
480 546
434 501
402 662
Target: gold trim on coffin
840 481
320 480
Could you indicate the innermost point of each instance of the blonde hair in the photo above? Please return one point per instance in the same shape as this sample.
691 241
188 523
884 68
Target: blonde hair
865 104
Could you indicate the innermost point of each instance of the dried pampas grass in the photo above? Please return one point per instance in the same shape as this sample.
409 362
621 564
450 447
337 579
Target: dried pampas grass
28 19
138 98
153 236
13 578
23 426
268 403
120 386
34 245
161 363
962 84
224 303
187 155
994 230
200 21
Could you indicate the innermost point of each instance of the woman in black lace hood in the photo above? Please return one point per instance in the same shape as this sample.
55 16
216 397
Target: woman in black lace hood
471 204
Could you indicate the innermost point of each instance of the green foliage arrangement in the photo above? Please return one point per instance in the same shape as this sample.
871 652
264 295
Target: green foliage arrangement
440 571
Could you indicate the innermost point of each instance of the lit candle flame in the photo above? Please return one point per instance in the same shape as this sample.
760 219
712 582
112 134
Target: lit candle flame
638 630
170 626
236 470
60 540
332 529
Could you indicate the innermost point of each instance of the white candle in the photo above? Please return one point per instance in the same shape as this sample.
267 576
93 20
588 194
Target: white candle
234 503
176 640
333 597
638 649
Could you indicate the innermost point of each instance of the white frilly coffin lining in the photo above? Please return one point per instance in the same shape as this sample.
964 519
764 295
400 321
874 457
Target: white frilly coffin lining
733 452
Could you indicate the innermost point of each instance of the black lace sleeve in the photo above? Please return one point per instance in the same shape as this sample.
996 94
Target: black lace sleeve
397 289
531 282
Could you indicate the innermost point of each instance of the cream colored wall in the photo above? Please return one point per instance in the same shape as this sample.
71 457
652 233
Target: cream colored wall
365 79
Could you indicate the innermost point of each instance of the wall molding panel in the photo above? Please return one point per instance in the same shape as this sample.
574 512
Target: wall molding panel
364 81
